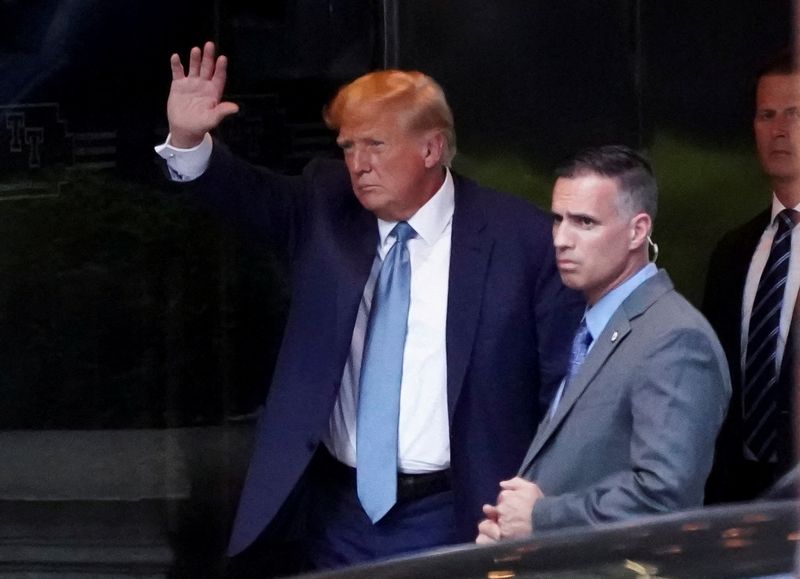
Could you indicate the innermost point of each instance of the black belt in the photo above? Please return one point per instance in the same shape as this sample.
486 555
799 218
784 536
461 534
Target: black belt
416 486
409 486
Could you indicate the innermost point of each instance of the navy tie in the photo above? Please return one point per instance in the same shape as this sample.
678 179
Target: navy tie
580 347
379 385
759 391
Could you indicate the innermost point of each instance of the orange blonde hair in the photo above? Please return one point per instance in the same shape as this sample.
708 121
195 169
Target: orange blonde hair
416 98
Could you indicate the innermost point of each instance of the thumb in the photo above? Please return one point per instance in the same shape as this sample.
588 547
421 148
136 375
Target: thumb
225 109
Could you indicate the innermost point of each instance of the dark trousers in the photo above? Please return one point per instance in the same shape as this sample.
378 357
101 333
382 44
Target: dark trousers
742 480
324 527
341 534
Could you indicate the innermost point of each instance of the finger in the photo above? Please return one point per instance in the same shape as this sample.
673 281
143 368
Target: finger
207 63
194 62
220 74
482 539
490 511
503 509
489 529
505 496
177 67
514 483
507 513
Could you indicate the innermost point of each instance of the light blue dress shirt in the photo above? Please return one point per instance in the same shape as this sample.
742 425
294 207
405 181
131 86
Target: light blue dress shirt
598 315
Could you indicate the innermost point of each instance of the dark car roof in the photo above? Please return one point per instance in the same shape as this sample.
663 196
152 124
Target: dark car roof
744 540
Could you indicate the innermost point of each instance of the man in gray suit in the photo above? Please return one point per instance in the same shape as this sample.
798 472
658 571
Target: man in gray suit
632 428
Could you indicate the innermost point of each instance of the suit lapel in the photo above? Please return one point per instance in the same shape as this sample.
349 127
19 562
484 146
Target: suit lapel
615 332
471 247
602 350
740 262
469 258
358 236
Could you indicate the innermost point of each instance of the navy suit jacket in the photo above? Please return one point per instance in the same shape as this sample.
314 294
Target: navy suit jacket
722 305
509 325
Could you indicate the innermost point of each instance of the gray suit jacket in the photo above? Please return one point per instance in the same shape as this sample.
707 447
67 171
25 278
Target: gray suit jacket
634 432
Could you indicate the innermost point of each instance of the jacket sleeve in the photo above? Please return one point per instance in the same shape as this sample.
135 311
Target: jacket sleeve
679 396
273 207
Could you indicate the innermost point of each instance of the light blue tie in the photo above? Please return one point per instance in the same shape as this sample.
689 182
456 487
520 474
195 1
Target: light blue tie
381 374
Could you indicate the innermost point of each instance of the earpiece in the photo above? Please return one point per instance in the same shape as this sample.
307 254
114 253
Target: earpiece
655 248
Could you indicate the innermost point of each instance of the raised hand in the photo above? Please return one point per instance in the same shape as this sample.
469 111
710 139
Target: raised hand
195 103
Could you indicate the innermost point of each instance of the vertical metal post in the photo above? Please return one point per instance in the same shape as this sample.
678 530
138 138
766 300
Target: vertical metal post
796 37
390 26
639 64
217 23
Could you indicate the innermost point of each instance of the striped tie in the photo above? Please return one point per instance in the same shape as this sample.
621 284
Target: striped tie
759 392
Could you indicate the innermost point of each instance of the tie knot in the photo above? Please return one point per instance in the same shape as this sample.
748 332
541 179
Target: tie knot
403 232
583 336
788 218
580 347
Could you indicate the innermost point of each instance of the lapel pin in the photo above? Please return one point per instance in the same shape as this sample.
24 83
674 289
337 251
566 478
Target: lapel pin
614 336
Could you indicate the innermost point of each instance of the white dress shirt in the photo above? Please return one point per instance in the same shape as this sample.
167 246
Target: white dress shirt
424 438
757 264
186 164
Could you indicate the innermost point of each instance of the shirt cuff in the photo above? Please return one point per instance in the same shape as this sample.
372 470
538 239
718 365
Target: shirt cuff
186 164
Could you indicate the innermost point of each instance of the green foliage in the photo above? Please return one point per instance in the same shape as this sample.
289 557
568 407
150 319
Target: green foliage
705 189
704 192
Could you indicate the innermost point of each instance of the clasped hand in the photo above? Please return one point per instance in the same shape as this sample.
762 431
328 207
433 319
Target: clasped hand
512 516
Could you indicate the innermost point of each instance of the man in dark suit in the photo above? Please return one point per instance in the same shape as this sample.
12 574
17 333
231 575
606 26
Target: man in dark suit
751 289
466 273
632 429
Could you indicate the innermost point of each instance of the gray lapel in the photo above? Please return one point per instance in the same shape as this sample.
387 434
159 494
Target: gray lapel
613 335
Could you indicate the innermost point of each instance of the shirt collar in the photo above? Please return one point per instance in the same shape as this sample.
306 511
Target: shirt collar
600 313
777 207
430 220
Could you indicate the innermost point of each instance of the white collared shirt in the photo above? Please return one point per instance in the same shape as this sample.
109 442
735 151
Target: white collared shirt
757 264
186 164
424 439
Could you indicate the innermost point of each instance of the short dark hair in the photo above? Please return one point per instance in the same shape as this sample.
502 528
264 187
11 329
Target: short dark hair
781 62
632 172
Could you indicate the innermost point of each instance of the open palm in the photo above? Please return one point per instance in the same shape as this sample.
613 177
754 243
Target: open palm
195 103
